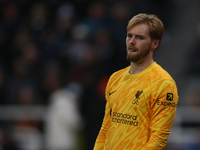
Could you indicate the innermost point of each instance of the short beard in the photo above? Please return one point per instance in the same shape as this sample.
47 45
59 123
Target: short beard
138 56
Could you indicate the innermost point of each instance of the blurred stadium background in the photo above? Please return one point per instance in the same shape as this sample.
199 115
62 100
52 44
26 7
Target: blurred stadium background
56 57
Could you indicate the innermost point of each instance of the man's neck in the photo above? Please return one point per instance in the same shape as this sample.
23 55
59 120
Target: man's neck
137 67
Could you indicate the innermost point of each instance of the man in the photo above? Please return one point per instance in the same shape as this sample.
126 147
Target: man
142 98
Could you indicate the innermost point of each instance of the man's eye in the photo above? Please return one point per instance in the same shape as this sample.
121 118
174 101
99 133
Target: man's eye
129 35
140 37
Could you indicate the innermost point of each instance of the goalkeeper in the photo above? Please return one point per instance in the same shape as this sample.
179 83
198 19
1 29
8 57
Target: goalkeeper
141 98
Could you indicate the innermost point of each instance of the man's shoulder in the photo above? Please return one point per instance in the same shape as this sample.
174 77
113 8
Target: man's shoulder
121 71
161 73
117 75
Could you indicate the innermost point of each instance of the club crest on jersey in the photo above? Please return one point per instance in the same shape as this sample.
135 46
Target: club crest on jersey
137 97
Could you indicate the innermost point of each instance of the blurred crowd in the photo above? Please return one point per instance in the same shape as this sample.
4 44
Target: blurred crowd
60 54
46 44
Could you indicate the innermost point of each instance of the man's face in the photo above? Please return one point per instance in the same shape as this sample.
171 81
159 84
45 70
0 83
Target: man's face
138 43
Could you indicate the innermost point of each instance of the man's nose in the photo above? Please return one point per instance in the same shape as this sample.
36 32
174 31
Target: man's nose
132 40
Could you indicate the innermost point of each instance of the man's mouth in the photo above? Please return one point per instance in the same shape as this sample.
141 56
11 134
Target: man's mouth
131 49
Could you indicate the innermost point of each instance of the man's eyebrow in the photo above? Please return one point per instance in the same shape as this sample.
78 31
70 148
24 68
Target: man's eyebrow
140 35
128 33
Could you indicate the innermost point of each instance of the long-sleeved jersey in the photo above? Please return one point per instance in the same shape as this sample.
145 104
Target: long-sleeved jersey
140 110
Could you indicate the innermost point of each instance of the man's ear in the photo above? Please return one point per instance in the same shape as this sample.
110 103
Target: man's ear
155 44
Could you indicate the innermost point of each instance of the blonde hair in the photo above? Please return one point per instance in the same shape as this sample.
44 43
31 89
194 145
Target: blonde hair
155 25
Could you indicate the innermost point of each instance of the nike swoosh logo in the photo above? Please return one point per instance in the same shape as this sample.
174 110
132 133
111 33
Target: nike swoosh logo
112 92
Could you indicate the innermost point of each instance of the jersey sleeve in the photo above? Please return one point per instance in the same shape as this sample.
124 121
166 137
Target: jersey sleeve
163 110
100 141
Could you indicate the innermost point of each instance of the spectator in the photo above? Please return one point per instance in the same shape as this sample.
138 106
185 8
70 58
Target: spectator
63 118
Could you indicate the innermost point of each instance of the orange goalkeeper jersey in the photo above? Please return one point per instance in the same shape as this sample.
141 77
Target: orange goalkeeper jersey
140 110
